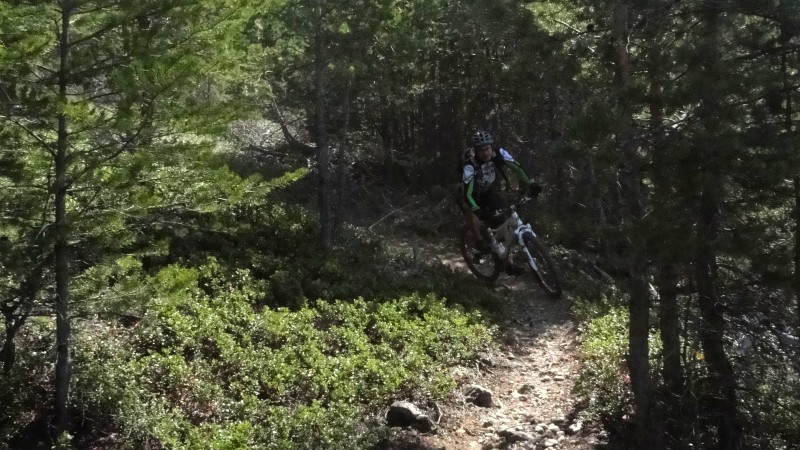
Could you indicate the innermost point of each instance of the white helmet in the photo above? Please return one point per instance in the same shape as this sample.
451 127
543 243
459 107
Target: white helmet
481 138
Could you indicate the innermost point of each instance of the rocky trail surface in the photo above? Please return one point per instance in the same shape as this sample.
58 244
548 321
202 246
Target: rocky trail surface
530 375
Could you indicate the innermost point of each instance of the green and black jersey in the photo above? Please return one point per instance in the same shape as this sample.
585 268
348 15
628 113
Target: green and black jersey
479 177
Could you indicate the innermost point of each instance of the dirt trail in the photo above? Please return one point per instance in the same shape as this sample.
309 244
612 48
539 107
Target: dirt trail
531 376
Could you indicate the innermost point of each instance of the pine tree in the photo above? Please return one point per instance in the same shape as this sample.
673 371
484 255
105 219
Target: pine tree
112 80
649 433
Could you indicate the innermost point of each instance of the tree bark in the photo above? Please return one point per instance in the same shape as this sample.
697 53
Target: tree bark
648 433
324 194
63 369
712 333
796 182
293 142
9 351
788 111
670 330
713 322
667 278
666 274
387 138
600 220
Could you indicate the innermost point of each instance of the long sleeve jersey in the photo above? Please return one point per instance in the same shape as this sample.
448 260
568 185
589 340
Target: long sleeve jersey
479 177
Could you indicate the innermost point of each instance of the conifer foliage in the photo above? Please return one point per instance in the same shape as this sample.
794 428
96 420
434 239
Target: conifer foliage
195 298
88 85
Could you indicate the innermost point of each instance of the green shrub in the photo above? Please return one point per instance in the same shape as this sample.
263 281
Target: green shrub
604 379
205 369
221 330
604 374
26 386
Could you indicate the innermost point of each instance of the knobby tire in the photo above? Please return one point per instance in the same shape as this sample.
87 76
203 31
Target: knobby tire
546 276
469 252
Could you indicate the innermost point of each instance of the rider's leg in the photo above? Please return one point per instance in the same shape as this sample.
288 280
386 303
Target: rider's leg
476 230
491 201
472 223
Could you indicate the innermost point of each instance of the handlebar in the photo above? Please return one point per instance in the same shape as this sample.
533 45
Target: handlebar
521 201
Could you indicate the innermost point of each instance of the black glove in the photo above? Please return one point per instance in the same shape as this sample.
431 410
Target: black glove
534 189
487 213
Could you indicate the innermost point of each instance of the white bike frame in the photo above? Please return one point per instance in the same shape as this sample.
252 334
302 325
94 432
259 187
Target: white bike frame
512 228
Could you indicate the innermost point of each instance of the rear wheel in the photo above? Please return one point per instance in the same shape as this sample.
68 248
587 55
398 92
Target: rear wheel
481 261
545 271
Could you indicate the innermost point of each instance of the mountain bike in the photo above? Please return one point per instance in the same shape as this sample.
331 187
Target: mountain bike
511 242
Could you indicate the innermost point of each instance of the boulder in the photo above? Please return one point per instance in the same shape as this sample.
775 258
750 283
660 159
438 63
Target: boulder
405 414
478 395
511 436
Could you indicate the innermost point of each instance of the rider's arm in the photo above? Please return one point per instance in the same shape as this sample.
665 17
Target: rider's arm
469 187
509 162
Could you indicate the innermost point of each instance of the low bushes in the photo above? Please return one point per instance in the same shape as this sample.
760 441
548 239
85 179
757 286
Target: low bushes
205 369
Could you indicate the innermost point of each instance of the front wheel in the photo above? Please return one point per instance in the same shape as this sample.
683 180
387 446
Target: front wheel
543 268
484 263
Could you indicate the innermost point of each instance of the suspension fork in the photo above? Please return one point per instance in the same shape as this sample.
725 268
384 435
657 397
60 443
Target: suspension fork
520 232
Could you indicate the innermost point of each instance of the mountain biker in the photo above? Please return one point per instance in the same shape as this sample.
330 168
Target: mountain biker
481 165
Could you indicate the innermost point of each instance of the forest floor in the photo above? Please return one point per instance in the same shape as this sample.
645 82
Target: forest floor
531 374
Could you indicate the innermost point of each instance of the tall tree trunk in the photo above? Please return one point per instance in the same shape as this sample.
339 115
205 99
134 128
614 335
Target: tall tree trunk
648 432
387 114
9 349
63 369
797 246
599 213
712 330
713 322
666 275
670 328
788 126
324 188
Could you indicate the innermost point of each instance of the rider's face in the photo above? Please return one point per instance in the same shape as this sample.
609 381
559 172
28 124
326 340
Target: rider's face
484 152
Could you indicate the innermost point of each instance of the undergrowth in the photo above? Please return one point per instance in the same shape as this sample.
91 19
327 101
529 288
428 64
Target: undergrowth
236 332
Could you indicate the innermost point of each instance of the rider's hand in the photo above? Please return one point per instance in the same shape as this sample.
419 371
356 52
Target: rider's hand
487 212
534 189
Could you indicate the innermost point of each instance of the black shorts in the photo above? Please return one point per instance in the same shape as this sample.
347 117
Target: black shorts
489 202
